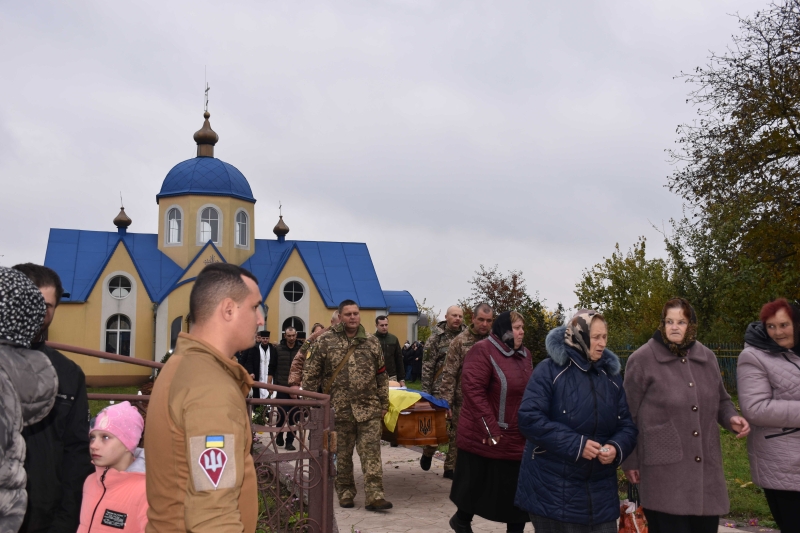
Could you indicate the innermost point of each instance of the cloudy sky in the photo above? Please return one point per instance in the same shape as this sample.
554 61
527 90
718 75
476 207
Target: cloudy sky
445 135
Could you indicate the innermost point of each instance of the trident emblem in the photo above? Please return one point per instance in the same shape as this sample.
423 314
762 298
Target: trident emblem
213 463
425 425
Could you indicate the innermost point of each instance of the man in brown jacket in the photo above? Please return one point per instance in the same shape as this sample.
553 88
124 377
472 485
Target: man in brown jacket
200 474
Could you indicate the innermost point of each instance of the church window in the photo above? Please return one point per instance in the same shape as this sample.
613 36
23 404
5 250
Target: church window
293 322
118 335
209 225
293 291
241 229
119 287
174 224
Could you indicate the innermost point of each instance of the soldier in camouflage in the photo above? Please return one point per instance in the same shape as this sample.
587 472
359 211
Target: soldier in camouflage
299 361
450 387
348 363
432 367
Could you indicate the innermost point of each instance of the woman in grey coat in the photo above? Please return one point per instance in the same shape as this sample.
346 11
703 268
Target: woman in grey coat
768 378
28 386
677 399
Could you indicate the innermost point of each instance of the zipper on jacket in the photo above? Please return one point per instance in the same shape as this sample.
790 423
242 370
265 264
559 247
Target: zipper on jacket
594 436
102 482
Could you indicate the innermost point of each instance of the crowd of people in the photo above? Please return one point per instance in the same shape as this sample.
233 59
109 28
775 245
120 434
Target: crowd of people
536 444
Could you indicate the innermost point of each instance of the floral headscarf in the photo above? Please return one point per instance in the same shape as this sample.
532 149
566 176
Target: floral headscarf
22 308
577 333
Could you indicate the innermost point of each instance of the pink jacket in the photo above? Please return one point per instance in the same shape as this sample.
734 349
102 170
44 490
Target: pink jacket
114 501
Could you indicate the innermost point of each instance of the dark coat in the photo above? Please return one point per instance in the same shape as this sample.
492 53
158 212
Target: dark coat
493 380
57 460
677 404
568 401
280 364
251 361
392 356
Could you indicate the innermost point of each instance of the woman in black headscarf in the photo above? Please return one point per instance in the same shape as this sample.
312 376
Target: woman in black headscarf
496 371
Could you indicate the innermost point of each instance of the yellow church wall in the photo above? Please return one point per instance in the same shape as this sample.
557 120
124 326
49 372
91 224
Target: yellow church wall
398 326
317 312
82 324
190 206
178 307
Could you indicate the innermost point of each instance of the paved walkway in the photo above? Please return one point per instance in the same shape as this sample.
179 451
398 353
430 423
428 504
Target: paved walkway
421 499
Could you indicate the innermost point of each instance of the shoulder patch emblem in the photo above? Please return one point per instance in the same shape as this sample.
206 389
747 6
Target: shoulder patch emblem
212 463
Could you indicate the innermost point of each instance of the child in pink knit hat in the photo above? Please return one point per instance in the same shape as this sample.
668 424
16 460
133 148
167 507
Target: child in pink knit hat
114 498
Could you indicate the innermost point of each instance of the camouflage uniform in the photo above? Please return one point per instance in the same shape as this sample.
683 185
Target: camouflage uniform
450 386
432 362
359 395
298 363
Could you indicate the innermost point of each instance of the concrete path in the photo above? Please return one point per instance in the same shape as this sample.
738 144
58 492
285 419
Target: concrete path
421 499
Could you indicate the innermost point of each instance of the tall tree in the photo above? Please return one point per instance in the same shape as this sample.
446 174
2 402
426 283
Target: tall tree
629 290
509 292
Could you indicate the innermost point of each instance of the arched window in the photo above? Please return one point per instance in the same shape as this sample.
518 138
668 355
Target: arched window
119 287
209 225
175 330
293 291
241 228
174 224
118 335
293 322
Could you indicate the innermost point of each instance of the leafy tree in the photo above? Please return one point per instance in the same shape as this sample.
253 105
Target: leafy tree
629 290
423 332
738 169
509 292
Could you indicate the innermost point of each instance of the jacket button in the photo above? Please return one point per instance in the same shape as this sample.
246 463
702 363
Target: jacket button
697 459
683 360
694 408
691 384
695 433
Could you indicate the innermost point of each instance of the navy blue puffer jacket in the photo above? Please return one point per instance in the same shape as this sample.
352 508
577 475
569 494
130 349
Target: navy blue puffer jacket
568 401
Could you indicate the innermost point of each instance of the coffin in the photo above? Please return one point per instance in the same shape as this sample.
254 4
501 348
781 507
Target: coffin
419 425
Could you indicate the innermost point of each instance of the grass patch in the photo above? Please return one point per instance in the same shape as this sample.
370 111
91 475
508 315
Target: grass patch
747 500
95 406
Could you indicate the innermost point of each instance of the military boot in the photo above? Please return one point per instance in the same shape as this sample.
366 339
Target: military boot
378 505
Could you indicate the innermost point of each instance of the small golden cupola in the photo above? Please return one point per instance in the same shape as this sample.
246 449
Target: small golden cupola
122 221
281 229
206 138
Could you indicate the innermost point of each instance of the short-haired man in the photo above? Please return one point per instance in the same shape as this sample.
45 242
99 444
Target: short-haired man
200 474
279 368
392 353
348 363
432 367
57 460
450 387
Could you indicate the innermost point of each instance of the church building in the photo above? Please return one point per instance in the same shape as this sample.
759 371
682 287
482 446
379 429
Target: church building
128 293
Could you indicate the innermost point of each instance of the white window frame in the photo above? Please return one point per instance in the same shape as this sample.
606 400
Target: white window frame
118 331
167 241
220 228
130 286
302 285
246 245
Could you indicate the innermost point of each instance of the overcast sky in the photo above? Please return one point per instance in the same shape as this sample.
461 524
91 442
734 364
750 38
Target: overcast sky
444 135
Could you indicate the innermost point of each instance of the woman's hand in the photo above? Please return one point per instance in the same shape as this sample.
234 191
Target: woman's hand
496 441
633 476
591 450
740 426
607 457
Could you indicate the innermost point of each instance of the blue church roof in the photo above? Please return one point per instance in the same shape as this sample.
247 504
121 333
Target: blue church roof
206 175
400 302
339 270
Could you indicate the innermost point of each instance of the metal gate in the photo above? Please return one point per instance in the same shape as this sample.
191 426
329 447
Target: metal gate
295 488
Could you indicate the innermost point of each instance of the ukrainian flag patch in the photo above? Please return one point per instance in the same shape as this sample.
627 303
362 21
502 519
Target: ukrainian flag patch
215 441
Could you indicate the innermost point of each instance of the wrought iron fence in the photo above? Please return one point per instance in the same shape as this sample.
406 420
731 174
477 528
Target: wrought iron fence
727 355
295 487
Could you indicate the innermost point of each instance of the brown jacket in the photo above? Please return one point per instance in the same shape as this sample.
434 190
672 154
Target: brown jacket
198 410
677 404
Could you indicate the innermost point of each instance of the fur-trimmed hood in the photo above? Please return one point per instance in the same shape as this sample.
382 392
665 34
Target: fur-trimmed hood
561 354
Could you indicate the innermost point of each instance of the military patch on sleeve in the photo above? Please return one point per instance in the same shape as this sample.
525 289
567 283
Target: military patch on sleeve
213 462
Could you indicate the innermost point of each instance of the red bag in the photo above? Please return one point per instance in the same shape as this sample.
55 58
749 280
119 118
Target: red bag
631 515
